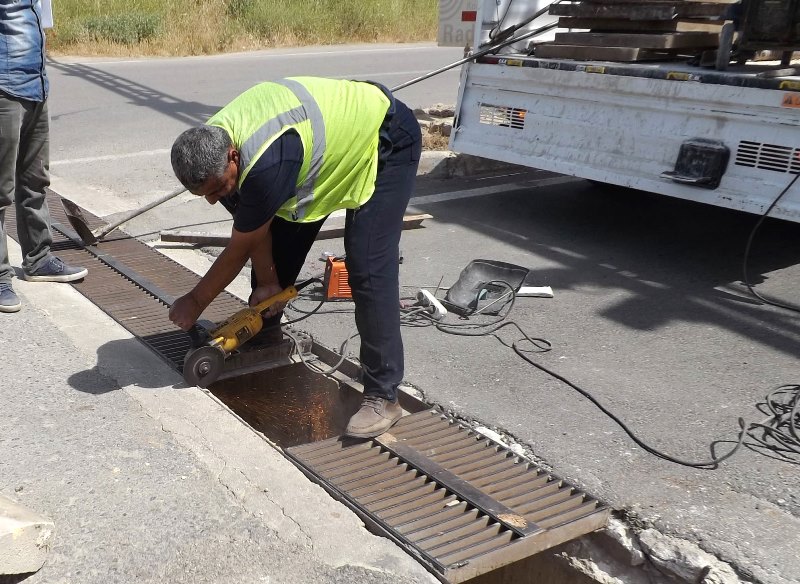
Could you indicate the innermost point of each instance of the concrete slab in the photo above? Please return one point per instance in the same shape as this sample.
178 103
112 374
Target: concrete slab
25 538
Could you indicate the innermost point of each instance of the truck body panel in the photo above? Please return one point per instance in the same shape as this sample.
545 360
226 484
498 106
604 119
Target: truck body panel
625 124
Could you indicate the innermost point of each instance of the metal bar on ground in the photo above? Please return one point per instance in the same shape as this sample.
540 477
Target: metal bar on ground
327 232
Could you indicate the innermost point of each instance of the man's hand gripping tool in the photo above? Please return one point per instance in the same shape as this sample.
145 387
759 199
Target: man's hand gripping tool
205 361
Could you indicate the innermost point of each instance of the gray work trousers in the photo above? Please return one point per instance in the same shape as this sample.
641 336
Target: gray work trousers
24 174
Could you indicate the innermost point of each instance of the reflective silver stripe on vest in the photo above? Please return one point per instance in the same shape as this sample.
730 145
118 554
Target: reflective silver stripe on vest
308 110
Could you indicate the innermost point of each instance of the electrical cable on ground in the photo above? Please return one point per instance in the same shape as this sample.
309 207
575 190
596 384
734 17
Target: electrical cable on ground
748 247
780 431
491 328
781 427
709 464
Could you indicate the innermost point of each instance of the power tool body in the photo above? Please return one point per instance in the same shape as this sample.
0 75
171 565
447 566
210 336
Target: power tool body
204 363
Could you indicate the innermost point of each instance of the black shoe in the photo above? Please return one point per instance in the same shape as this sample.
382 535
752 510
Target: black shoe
9 301
54 270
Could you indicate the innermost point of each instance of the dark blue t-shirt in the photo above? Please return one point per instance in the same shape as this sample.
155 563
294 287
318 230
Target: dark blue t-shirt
270 183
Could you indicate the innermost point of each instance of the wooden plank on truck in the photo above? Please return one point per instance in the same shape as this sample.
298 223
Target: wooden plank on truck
666 41
625 25
641 11
582 52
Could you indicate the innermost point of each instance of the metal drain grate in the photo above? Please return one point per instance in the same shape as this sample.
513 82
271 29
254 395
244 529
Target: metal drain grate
462 504
132 283
456 501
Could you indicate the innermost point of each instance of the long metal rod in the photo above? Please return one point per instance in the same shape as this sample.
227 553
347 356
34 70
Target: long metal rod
105 230
477 55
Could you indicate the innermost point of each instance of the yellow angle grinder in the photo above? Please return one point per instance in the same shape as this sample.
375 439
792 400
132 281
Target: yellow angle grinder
203 364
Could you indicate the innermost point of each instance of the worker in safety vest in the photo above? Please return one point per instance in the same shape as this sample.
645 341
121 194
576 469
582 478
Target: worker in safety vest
283 156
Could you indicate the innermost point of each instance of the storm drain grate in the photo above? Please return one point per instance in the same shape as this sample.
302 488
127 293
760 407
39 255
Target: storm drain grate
131 282
459 502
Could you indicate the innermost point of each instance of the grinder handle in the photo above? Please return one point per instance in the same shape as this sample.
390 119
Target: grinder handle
283 296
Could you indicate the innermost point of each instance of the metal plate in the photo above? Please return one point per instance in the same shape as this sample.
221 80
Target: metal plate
460 503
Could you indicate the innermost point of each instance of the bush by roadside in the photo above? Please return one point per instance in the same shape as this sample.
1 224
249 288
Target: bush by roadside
193 27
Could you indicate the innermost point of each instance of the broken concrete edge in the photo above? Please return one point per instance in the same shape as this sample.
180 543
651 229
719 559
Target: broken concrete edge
652 558
24 538
441 164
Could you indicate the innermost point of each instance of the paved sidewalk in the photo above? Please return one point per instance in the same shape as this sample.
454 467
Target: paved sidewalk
147 481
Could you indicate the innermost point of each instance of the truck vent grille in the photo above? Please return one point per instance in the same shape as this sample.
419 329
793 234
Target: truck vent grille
506 117
768 157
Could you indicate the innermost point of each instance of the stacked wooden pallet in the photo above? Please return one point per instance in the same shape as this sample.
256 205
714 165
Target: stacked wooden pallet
636 30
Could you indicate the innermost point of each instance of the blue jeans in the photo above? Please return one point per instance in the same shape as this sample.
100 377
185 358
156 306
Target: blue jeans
24 164
372 248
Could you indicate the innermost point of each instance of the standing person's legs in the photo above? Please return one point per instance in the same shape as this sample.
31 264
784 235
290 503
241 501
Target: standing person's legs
33 163
10 123
33 215
372 239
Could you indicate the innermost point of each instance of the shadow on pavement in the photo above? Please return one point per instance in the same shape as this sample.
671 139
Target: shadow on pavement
676 260
189 112
120 363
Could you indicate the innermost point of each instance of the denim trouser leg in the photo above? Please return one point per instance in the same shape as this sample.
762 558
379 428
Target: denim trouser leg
372 238
291 243
24 165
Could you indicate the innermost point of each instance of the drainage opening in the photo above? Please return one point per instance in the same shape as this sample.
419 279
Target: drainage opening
290 405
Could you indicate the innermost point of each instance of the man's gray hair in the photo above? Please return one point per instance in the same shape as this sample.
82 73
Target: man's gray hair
199 153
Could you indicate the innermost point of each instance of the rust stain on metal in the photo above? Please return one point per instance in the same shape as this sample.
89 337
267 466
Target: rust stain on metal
515 520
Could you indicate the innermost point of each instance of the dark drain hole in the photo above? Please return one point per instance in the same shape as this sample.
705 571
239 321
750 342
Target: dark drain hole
290 405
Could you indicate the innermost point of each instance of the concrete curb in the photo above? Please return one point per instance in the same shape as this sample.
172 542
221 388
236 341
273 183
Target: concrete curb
24 538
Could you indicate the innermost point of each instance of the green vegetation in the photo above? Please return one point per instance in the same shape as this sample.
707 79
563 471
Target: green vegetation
193 27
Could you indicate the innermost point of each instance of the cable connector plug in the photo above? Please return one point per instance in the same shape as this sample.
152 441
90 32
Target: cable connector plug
437 309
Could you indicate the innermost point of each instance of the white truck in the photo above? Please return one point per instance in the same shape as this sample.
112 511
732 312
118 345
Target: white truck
718 134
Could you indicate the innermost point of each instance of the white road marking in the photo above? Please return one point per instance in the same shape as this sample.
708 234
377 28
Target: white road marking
480 192
108 157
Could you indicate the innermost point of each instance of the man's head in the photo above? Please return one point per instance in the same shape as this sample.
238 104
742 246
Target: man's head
206 163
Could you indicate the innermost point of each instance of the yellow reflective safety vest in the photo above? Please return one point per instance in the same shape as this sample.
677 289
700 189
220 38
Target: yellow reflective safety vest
338 123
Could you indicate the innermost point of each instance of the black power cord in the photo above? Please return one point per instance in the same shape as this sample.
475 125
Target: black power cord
749 245
542 346
779 433
708 464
